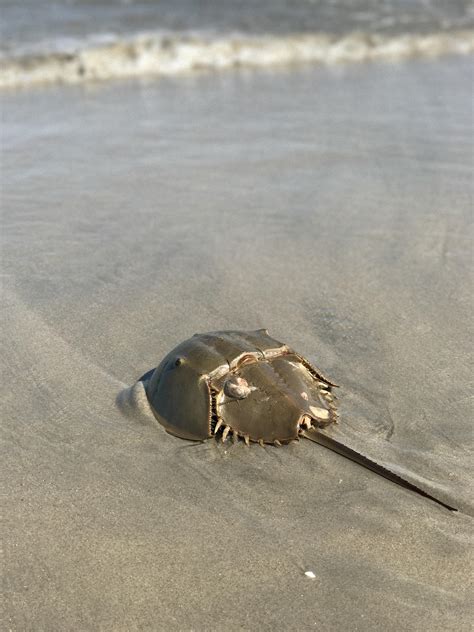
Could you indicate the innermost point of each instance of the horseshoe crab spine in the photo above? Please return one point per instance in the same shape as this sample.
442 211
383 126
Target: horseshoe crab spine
329 442
314 372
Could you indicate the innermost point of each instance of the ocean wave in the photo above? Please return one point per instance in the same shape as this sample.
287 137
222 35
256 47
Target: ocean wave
158 54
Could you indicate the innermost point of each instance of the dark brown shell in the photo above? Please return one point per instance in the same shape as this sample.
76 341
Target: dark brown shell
240 383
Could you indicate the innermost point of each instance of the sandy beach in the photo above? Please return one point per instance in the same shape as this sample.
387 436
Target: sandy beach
331 205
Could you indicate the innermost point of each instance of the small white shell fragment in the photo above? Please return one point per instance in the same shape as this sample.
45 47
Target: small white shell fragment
310 574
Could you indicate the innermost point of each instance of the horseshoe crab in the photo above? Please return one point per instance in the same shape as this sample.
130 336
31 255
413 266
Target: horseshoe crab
252 387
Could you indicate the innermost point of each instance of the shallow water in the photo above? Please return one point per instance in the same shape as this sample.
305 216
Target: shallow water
78 40
43 23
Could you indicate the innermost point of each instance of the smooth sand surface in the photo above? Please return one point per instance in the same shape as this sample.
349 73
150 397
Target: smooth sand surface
330 206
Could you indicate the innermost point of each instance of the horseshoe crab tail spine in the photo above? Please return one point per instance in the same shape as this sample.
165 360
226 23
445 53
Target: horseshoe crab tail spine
334 445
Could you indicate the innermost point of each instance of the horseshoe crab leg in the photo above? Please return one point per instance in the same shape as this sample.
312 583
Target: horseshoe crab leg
327 441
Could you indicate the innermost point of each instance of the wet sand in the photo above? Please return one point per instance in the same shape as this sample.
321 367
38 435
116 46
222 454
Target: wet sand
331 206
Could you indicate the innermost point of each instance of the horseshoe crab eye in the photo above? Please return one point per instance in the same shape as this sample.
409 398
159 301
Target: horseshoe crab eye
178 361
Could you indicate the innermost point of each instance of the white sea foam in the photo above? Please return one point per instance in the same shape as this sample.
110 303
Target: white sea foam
158 54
